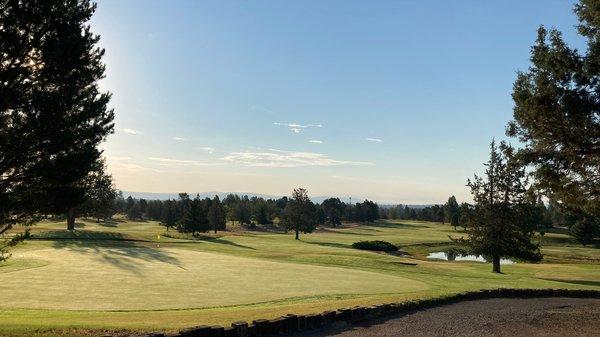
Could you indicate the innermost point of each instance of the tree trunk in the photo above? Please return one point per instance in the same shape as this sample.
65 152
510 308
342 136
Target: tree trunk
297 234
496 263
71 219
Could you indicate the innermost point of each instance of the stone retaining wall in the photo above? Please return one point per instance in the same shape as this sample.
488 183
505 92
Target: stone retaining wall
293 323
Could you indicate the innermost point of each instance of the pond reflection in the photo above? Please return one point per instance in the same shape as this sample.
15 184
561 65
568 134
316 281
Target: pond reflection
454 256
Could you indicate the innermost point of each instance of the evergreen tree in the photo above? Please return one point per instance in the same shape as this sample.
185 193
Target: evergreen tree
465 212
135 212
216 215
586 230
52 113
333 210
169 214
557 116
143 206
99 197
300 213
452 212
241 211
129 202
498 227
186 219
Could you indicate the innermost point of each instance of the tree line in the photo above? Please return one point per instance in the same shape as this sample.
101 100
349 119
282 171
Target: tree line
194 215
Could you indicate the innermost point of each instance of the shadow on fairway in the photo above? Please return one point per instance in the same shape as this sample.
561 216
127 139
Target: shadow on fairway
395 225
126 255
329 244
227 242
64 234
580 282
342 231
110 223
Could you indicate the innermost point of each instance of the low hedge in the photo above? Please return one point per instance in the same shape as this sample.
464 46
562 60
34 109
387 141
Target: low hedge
378 245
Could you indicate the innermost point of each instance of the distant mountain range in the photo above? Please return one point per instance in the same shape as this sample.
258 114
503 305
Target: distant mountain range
211 194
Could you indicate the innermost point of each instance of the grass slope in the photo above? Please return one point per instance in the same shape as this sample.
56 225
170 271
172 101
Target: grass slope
129 275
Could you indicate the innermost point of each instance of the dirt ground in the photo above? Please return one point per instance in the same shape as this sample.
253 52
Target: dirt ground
555 317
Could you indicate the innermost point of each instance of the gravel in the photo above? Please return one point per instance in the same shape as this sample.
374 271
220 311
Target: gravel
555 317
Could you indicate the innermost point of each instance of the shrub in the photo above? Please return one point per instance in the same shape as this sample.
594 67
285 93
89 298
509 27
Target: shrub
377 245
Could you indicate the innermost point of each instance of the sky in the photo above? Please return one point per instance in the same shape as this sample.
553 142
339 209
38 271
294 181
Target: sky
396 101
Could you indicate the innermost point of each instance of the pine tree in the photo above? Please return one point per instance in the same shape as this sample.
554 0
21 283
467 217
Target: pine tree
53 115
216 215
452 212
497 227
100 195
333 210
586 230
557 116
300 213
169 214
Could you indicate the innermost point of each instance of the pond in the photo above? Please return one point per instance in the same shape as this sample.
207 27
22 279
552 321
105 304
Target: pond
450 256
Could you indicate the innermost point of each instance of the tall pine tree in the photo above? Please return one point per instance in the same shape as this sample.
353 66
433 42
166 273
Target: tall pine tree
498 227
300 213
557 117
53 115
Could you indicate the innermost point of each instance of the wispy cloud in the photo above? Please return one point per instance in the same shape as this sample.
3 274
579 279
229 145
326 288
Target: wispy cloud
181 139
278 158
132 131
208 149
374 140
180 162
297 128
117 158
132 168
314 141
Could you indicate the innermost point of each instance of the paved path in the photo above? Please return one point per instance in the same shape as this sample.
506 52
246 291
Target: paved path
556 317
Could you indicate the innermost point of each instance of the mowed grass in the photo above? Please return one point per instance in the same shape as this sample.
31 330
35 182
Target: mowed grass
131 276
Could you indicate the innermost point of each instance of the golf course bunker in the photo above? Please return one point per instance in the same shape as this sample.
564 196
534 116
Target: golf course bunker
144 278
556 317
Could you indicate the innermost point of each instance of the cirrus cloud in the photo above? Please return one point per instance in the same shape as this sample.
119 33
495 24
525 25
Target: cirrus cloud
374 140
296 127
279 158
131 131
208 149
180 162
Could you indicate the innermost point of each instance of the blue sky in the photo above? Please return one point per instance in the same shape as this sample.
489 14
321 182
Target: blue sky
390 100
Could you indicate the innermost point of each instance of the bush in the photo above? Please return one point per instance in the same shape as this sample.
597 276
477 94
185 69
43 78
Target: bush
378 245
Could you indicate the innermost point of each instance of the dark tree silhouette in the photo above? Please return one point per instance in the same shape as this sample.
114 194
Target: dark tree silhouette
52 113
300 213
452 212
498 226
557 117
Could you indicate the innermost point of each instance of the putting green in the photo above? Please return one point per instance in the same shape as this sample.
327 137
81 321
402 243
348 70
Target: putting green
145 278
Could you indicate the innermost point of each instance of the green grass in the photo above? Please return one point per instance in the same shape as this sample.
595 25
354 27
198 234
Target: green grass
131 276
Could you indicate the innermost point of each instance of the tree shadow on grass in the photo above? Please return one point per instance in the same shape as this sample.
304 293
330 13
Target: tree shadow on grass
77 235
395 225
579 282
227 242
198 238
342 231
126 255
109 223
330 244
